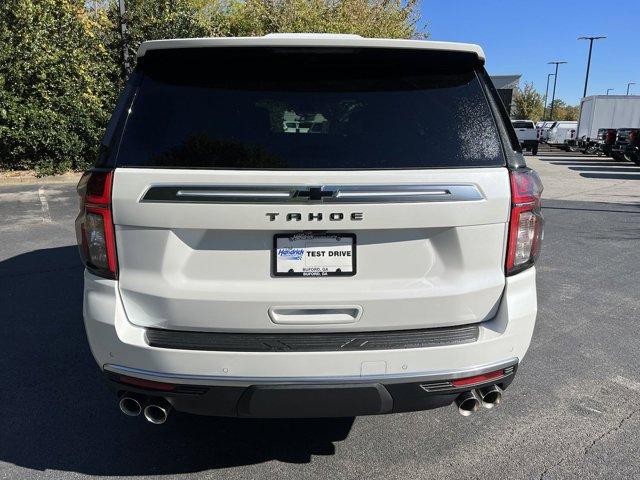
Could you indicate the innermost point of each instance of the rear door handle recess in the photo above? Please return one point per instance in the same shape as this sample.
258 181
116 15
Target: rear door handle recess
315 315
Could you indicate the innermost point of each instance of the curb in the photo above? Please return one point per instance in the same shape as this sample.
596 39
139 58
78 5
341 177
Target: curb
31 180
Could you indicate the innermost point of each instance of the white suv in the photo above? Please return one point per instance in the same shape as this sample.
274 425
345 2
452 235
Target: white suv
378 260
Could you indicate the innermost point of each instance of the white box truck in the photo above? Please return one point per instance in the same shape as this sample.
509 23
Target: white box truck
604 111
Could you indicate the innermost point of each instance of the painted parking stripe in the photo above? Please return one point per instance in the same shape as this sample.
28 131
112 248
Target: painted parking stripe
46 214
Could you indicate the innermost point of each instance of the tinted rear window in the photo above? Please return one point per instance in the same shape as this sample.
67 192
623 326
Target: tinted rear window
265 108
518 124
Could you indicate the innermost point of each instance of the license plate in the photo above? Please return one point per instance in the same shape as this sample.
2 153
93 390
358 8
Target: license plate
314 255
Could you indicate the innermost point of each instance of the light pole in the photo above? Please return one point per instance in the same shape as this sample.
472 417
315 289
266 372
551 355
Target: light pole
546 92
609 89
555 80
628 85
586 80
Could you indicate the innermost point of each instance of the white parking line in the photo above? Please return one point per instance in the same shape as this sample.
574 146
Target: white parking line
46 214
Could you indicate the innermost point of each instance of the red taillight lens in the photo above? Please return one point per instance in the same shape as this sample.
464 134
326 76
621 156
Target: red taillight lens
94 225
611 136
525 222
633 136
485 377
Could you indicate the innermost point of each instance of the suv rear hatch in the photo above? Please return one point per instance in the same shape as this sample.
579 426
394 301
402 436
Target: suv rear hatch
392 156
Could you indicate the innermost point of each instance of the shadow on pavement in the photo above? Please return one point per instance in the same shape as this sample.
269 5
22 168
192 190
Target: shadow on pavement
578 163
606 169
58 414
611 176
585 159
603 168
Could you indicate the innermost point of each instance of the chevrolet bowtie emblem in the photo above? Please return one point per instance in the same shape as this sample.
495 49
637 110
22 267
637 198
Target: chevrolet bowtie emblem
315 193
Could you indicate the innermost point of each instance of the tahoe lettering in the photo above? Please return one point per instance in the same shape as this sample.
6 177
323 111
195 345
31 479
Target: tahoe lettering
317 217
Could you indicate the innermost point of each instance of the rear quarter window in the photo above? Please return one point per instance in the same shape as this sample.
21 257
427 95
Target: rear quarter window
519 124
277 108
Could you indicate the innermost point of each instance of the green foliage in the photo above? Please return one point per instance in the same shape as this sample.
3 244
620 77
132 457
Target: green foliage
61 60
562 111
55 92
158 19
377 18
528 103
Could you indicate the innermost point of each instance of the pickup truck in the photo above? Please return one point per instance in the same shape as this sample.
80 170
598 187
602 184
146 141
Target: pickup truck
605 141
527 135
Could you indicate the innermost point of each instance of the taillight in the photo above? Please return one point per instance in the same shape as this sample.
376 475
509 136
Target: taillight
525 222
611 136
94 225
633 137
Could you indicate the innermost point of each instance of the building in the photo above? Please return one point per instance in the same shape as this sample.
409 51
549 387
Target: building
506 85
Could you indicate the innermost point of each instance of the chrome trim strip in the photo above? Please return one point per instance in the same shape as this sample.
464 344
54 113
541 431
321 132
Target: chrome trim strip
309 194
343 194
246 381
232 194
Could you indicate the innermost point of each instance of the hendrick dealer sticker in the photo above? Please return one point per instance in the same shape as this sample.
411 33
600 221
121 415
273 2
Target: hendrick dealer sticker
314 255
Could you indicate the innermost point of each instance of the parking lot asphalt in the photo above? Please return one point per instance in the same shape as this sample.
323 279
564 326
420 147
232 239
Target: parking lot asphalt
591 178
573 410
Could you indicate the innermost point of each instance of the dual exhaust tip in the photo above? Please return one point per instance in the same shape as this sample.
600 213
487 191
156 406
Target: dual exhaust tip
155 410
470 402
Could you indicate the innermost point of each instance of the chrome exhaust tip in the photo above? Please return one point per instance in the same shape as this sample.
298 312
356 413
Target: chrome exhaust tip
490 396
157 411
130 404
468 403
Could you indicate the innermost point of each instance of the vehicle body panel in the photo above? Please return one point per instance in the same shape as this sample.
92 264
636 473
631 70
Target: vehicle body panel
207 266
115 341
561 131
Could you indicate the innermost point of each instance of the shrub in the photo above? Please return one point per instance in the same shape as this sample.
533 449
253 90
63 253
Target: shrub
56 84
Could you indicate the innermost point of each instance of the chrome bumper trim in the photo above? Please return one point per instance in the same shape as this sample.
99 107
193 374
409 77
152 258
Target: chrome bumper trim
246 381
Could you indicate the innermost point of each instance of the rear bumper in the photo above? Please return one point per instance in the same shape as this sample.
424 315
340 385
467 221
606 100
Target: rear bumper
529 143
329 398
121 347
605 148
620 147
632 150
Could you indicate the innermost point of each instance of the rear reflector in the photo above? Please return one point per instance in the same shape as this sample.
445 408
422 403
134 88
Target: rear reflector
485 377
525 222
148 384
94 225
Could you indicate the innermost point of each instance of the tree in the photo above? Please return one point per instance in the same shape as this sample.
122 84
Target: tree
61 60
158 19
528 103
369 18
55 87
571 112
562 111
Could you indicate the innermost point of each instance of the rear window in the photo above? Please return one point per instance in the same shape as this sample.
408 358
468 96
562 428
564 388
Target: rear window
266 108
520 124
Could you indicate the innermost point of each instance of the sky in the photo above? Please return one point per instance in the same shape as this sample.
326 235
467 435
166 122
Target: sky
520 37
